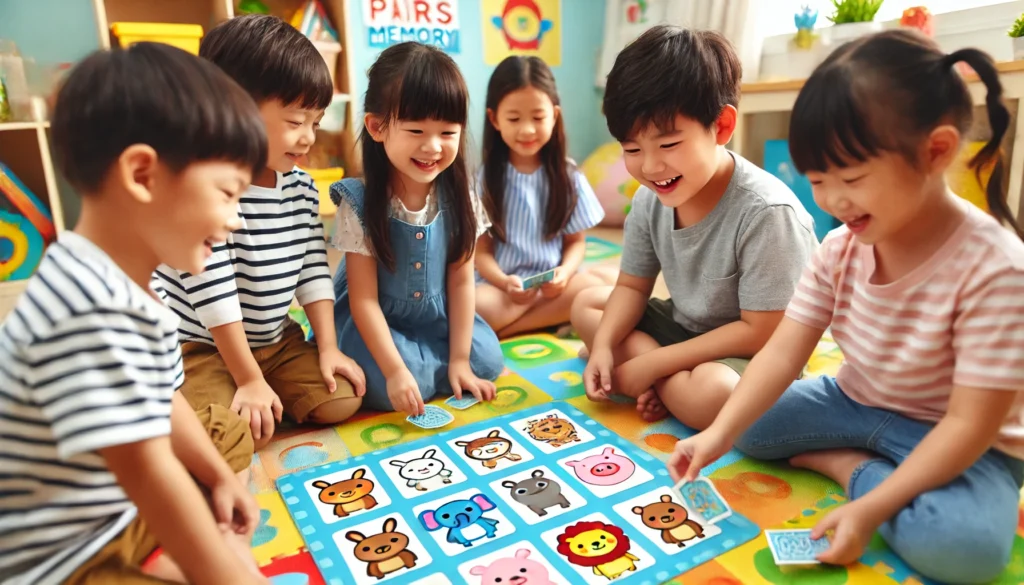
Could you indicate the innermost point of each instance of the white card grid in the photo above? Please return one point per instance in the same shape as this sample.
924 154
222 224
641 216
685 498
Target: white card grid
346 493
552 431
490 450
616 566
475 532
435 579
605 470
383 546
509 562
667 524
533 493
428 469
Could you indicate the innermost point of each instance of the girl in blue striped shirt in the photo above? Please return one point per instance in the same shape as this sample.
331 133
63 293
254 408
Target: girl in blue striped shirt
539 204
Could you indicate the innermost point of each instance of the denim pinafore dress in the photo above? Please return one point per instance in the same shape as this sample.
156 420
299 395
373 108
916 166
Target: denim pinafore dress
414 301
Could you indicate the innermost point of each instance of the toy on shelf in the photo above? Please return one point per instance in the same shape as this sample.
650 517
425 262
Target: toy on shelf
26 228
183 36
252 7
919 17
804 21
311 20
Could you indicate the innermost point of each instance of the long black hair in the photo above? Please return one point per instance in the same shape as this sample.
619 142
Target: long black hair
412 81
512 74
886 92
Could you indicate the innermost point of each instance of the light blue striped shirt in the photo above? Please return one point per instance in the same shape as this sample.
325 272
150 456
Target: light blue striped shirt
525 251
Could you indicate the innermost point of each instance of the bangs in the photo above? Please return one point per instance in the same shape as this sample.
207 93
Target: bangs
431 88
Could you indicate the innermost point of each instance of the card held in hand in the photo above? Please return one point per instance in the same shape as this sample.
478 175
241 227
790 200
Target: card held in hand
795 547
538 279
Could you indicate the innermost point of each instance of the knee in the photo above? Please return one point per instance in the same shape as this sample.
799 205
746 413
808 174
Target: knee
961 555
335 411
585 312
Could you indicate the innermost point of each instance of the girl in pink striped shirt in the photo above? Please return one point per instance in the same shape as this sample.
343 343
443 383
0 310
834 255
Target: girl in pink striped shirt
924 294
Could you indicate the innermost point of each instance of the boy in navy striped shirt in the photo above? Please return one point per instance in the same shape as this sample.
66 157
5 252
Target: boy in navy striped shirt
100 456
240 348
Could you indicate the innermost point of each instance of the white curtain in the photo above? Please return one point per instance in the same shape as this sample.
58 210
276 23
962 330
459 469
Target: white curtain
736 19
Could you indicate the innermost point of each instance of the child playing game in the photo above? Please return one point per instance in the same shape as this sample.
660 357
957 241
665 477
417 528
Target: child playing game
923 293
241 349
539 204
729 238
100 456
405 307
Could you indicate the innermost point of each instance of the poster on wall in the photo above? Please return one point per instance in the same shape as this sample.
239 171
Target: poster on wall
522 27
431 22
625 20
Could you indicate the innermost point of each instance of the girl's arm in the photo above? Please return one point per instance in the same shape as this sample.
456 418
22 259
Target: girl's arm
461 314
574 248
486 264
366 312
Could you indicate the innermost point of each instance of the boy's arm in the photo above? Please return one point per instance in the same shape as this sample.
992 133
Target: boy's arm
254 400
624 309
486 264
315 279
320 315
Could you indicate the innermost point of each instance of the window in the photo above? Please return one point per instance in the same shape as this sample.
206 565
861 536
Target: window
779 20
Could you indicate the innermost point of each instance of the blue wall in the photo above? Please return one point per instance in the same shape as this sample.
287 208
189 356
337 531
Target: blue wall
50 31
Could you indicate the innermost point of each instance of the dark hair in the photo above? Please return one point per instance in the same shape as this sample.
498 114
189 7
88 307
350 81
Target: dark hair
412 81
271 59
886 92
151 93
512 74
669 71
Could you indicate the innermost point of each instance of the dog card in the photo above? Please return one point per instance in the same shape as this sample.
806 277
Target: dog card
605 470
489 450
552 431
460 521
523 561
463 403
538 279
381 549
346 493
795 547
701 496
422 471
537 494
433 417
665 521
598 549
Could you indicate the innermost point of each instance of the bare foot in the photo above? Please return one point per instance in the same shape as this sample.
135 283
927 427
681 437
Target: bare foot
650 407
836 464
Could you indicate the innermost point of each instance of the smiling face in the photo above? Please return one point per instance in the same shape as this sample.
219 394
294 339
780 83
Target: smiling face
419 150
421 469
593 543
491 450
291 132
525 118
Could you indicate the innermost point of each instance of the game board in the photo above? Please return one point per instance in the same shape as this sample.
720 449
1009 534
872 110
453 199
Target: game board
542 491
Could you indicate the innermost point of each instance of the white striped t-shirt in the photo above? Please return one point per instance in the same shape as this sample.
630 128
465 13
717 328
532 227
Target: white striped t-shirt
88 360
956 320
278 255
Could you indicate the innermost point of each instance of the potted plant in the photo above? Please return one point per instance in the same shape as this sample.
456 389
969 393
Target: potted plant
853 19
1016 33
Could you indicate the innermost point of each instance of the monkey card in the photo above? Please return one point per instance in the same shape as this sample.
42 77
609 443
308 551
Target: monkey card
490 450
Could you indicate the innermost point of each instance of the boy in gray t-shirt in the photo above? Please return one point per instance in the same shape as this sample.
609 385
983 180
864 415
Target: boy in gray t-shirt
730 239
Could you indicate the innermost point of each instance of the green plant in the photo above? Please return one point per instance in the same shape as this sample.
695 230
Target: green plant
854 11
1017 30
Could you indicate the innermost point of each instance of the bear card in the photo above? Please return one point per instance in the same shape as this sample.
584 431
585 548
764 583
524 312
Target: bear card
421 471
536 494
381 549
463 520
664 520
345 493
490 450
552 431
598 549
605 470
522 559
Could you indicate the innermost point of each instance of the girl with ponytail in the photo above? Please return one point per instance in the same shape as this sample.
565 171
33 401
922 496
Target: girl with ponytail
924 294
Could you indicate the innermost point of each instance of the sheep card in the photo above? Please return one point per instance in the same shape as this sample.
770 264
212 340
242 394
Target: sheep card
463 520
552 431
664 520
537 494
421 471
490 450
501 567
381 549
345 493
598 549
605 470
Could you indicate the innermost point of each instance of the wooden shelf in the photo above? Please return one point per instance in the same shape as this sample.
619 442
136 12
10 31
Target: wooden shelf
6 126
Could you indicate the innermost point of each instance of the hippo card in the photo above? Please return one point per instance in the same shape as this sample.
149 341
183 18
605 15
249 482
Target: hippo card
345 493
661 518
599 549
381 549
522 559
552 431
421 471
490 450
605 470
537 494
463 520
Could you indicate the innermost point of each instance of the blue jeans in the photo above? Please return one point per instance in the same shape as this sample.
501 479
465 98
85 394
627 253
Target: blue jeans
962 532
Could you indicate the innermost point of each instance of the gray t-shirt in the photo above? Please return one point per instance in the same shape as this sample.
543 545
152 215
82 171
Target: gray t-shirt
748 253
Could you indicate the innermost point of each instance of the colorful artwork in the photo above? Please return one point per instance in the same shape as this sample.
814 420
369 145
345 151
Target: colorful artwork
26 228
522 27
431 22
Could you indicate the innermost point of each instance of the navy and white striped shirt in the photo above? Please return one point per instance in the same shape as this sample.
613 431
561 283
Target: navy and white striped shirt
278 255
526 251
88 360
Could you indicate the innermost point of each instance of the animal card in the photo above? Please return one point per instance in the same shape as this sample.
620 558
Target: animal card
552 431
537 494
662 519
381 549
421 471
520 563
605 470
795 547
463 403
598 549
346 493
433 417
489 450
701 496
538 279
463 520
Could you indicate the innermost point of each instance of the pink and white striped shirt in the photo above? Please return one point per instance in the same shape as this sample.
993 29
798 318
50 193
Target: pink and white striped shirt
956 320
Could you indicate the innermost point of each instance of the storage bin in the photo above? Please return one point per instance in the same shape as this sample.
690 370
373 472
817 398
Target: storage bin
183 36
322 179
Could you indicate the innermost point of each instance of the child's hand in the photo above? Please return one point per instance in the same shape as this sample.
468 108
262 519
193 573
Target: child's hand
597 376
241 546
633 378
404 393
556 286
233 506
462 378
514 290
259 406
694 453
852 527
332 362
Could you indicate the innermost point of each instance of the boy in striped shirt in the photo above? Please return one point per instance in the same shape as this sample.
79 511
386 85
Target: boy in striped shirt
240 348
98 451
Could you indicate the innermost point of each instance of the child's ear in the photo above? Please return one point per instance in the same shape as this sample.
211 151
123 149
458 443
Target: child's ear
558 112
492 117
136 171
941 147
725 125
374 125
